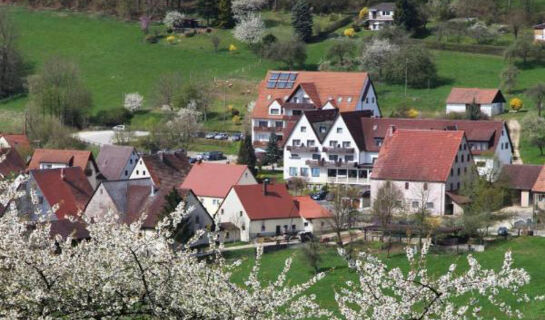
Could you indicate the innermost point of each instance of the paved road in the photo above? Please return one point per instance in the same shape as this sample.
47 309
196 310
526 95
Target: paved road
100 138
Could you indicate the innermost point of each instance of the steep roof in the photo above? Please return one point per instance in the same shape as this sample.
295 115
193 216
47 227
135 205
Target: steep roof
353 121
521 176
481 96
276 203
321 118
417 155
12 163
128 195
319 86
384 6
167 169
310 209
539 186
17 140
112 160
67 187
213 179
72 158
484 131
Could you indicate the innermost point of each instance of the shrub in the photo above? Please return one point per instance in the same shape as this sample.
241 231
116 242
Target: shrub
349 32
234 112
232 48
171 39
516 104
112 117
151 38
356 27
412 113
364 12
269 39
236 120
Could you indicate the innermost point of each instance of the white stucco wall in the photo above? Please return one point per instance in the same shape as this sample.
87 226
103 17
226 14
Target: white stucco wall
317 226
488 109
140 170
368 101
415 194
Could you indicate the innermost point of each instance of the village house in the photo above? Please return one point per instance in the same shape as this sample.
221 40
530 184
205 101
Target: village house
211 182
258 210
54 159
381 15
330 147
521 178
538 191
117 162
490 101
16 141
429 167
316 218
285 95
163 168
68 188
11 163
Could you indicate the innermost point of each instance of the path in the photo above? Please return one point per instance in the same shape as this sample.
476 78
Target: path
102 137
514 131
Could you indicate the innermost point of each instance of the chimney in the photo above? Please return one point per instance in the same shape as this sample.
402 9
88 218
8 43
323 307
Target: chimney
265 184
62 174
391 130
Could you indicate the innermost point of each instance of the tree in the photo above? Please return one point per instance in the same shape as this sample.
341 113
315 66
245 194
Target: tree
246 154
133 101
473 111
208 9
292 52
376 54
215 42
509 78
534 131
516 19
537 93
272 153
412 65
344 213
387 203
522 48
12 68
364 12
182 232
516 104
225 15
196 95
172 19
408 16
311 251
341 52
301 20
250 29
242 8
58 91
167 89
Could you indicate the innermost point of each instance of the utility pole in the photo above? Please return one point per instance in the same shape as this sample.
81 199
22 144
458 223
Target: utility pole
406 74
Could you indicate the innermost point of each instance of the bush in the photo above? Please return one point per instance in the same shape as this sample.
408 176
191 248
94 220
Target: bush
356 27
349 32
112 117
269 39
235 112
171 39
236 120
516 104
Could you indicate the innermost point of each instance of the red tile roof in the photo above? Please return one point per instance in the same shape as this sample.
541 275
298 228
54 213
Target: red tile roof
325 85
213 179
417 155
167 169
68 187
521 176
72 158
17 140
474 130
310 209
12 164
277 203
112 160
467 95
539 186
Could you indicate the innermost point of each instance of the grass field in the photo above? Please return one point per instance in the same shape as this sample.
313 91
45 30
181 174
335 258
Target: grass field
525 252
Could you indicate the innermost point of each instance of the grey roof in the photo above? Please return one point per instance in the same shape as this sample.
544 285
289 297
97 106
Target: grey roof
321 118
128 194
112 160
384 6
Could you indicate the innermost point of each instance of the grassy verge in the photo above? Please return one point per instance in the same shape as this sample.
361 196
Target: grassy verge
204 145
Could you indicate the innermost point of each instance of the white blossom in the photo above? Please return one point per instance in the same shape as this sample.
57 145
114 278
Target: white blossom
173 18
250 29
133 101
243 8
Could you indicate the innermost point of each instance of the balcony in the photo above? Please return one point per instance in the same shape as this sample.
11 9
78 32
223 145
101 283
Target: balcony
338 150
331 164
302 149
268 129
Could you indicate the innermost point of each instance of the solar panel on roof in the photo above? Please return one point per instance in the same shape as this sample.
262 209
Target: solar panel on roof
289 85
281 84
274 76
284 76
293 76
271 84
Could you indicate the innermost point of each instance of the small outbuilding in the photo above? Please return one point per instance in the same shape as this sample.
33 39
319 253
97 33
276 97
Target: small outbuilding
490 101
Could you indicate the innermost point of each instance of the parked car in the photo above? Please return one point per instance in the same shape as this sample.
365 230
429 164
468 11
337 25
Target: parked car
503 232
212 155
193 159
221 136
320 195
210 135
119 127
236 137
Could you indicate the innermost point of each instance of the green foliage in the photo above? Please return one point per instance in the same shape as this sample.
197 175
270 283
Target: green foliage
533 129
12 69
301 20
111 117
408 16
225 15
413 62
246 154
341 53
273 153
537 93
311 251
509 78
473 111
208 9
292 53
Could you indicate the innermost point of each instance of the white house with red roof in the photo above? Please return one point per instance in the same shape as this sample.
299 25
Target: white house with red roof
316 218
285 95
490 101
429 167
211 182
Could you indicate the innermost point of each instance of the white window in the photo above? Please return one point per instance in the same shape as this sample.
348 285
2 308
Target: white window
333 157
304 172
240 213
340 99
333 143
349 99
349 158
275 111
293 171
415 204
296 142
310 143
339 130
306 224
315 172
303 129
346 144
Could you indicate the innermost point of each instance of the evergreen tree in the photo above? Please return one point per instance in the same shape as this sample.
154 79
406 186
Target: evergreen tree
408 16
272 153
208 9
225 15
301 20
246 154
473 111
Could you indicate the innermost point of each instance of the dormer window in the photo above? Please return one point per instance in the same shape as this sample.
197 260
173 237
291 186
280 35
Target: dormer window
349 99
275 111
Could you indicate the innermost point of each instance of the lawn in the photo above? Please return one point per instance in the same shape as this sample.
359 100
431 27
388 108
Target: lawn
525 253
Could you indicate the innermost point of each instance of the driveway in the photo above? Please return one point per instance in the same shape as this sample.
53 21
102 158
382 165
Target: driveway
514 131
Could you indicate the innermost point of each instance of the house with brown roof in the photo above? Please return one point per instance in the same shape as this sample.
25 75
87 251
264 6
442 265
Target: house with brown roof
381 15
117 162
429 167
490 101
316 218
522 178
56 158
16 141
538 190
211 182
66 189
285 95
11 163
163 168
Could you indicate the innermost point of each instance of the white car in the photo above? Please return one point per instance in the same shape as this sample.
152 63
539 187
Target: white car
119 127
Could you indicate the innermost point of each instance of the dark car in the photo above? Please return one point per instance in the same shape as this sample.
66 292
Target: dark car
212 155
320 195
502 231
193 160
